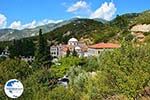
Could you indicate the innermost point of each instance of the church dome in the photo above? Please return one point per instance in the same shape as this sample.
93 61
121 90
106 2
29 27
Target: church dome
73 40
77 48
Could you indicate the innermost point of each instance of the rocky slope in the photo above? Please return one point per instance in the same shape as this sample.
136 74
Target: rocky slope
141 28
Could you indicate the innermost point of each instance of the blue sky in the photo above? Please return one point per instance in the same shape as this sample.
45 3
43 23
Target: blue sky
19 14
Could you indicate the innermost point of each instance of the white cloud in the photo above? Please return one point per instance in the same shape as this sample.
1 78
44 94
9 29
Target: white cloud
78 6
19 25
15 25
33 24
3 21
46 21
105 11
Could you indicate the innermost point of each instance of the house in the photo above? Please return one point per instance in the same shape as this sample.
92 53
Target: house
55 51
58 50
96 49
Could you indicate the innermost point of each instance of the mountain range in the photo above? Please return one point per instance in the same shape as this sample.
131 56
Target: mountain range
10 34
96 29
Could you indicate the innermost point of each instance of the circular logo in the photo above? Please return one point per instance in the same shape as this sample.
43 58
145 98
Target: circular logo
13 88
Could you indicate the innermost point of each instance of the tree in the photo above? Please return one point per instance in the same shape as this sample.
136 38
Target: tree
68 53
74 53
121 22
1 50
23 47
28 48
42 56
11 68
41 48
16 48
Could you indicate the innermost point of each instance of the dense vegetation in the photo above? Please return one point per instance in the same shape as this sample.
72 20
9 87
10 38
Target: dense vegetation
121 74
22 47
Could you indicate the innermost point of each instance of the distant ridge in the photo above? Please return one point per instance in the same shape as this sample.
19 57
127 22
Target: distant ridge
80 26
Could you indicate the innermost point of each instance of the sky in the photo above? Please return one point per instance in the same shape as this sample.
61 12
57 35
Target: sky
20 14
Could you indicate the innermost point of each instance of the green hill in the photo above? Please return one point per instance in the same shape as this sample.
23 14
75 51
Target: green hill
142 18
97 31
83 28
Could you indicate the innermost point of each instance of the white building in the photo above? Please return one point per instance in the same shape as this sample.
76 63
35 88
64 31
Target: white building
73 44
55 51
58 50
5 53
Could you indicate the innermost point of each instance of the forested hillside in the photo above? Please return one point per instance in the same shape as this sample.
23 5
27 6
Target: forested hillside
122 74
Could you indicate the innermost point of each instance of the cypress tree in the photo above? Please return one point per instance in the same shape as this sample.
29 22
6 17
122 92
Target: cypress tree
42 56
40 46
74 53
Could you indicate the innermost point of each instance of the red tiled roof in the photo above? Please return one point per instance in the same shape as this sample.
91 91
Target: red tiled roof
65 49
104 46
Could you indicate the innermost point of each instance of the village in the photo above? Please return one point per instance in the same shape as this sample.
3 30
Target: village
81 48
